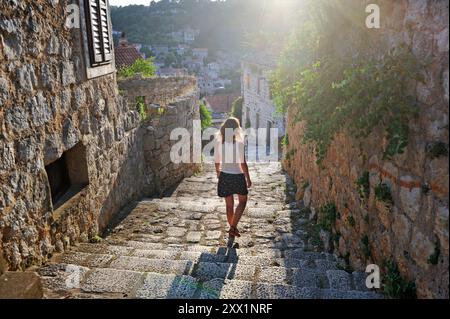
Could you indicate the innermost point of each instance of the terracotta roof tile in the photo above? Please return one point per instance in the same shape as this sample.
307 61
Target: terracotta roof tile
126 55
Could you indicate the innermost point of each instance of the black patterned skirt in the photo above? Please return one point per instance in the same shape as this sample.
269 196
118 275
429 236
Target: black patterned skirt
231 184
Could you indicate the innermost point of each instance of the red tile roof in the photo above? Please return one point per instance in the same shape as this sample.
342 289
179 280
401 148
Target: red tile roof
126 54
221 103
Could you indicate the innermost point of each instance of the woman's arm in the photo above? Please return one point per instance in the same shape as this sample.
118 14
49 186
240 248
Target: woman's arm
217 158
244 167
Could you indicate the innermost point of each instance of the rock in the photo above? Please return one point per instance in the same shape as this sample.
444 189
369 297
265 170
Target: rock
26 149
410 199
307 196
176 232
325 237
17 118
4 91
402 229
69 134
7 156
20 285
441 225
67 73
421 248
193 237
11 26
442 41
52 148
26 77
39 109
53 45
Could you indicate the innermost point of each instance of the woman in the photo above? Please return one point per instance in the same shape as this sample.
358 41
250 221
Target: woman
232 171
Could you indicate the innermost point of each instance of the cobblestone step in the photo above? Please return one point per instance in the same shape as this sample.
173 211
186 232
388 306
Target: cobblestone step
177 247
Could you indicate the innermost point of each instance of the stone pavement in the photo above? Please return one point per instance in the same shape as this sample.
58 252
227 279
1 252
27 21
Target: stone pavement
177 247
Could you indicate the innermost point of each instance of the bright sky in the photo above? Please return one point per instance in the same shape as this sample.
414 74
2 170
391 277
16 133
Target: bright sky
128 2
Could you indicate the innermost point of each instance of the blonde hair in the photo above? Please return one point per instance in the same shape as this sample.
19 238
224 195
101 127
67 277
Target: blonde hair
234 124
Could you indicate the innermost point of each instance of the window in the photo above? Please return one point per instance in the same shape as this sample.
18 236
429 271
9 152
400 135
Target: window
247 80
68 175
96 34
99 32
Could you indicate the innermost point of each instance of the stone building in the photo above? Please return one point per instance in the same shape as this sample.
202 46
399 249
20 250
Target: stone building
258 110
73 151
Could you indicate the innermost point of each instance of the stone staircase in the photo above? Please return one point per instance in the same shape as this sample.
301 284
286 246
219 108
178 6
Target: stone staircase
177 247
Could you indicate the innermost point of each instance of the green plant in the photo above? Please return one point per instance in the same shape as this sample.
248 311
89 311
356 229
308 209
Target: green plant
305 185
383 193
363 184
285 140
351 221
205 116
365 246
236 108
434 258
353 93
145 67
96 239
437 149
395 286
327 216
141 107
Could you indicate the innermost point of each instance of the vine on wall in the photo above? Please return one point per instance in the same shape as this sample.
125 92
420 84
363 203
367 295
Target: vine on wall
352 93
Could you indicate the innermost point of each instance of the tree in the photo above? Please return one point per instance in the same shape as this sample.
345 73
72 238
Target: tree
170 59
146 67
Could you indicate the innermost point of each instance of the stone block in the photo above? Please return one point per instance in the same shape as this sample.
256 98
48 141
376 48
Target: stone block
20 285
111 280
158 286
17 118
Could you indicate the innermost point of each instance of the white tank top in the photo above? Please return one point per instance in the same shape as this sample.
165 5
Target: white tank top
230 156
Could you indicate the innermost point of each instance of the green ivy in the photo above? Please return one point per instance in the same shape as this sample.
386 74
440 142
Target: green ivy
351 221
395 286
363 183
327 216
356 93
285 140
383 193
365 246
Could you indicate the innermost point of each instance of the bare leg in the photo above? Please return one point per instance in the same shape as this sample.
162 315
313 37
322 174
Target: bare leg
239 210
229 201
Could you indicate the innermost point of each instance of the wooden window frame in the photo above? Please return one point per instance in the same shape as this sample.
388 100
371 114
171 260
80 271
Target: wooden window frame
96 67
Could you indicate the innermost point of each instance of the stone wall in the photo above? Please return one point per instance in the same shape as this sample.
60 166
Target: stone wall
160 91
48 106
172 102
418 222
